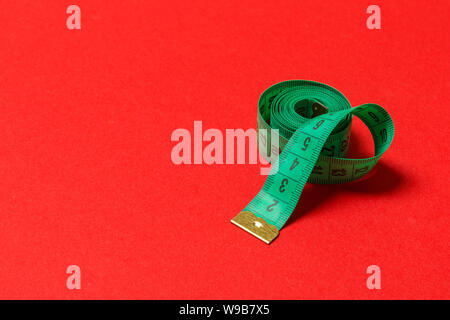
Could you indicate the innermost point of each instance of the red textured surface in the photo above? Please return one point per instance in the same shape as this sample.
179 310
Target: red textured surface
86 176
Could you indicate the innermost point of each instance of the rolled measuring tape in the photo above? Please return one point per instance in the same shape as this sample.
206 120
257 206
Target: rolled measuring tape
313 122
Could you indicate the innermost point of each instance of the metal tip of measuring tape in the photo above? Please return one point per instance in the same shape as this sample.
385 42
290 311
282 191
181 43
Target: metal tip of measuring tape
319 109
256 226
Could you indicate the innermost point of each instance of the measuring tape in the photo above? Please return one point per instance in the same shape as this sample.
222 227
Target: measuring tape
314 122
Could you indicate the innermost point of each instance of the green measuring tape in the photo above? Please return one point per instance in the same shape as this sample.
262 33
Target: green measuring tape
314 122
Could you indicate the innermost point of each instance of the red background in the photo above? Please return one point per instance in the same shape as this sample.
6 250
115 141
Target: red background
86 176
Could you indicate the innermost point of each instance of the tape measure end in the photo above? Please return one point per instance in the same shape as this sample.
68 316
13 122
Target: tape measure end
256 226
318 109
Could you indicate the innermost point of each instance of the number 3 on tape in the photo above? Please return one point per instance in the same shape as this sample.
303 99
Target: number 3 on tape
314 122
